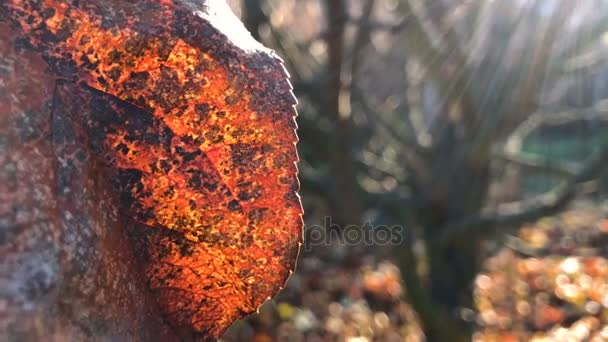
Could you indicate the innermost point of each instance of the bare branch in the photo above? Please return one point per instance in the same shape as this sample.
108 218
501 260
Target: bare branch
361 38
372 25
432 38
524 98
515 214
559 115
428 39
539 165
378 120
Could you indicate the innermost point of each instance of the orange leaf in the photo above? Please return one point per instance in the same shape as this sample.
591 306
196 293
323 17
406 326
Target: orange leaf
194 122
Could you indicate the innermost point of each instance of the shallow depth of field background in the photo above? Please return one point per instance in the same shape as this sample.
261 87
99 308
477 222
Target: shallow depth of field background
479 126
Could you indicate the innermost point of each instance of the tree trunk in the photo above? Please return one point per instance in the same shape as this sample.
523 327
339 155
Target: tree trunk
459 188
348 205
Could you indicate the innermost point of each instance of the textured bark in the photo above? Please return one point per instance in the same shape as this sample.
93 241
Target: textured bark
67 269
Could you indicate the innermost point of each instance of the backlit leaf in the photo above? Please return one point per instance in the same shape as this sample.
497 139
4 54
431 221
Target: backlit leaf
192 124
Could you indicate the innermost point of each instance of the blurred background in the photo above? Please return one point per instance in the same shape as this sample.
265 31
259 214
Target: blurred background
481 128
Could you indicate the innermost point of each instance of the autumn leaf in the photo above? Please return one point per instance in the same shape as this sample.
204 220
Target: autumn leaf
161 120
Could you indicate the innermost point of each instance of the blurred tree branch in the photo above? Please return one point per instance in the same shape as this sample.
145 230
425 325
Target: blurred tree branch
514 214
525 98
539 164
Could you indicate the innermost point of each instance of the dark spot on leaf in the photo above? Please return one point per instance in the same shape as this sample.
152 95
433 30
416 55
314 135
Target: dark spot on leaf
234 206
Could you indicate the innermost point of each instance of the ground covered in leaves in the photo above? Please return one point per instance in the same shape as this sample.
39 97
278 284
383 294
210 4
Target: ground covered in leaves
547 283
